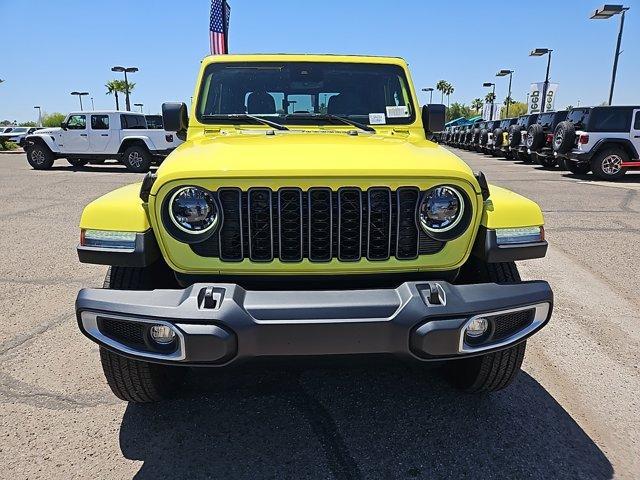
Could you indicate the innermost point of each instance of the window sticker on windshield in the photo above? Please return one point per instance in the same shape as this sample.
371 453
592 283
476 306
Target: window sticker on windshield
377 119
401 111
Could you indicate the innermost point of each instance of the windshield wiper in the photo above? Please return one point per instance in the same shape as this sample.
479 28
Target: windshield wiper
329 116
245 116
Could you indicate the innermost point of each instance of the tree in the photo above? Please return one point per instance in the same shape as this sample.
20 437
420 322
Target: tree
510 100
28 124
515 110
52 119
490 97
449 89
477 104
441 86
457 110
112 89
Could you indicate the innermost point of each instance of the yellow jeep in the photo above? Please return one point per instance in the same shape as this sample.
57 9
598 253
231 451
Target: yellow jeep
308 215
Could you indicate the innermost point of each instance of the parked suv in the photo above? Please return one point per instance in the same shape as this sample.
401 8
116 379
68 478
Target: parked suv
517 137
605 140
377 243
97 136
500 138
486 136
476 135
540 137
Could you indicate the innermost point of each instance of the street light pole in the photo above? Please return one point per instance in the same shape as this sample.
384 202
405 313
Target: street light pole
139 105
93 107
126 82
430 90
503 73
493 97
80 95
538 52
608 11
39 115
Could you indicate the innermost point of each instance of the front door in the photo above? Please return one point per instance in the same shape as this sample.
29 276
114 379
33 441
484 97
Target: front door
99 133
75 138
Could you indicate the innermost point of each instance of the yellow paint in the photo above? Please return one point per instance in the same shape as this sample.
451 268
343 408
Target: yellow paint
119 210
506 209
217 156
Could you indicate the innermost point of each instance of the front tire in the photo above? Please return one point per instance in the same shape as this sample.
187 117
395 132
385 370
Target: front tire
40 157
492 371
136 380
137 159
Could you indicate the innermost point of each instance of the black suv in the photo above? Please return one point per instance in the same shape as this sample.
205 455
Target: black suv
499 143
486 135
517 137
605 140
470 134
540 137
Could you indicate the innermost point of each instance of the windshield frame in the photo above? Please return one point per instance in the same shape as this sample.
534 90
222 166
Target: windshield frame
290 119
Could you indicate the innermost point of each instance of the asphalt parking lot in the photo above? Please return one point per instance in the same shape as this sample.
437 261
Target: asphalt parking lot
573 413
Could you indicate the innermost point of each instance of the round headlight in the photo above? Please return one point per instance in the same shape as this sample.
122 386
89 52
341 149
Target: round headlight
441 209
193 210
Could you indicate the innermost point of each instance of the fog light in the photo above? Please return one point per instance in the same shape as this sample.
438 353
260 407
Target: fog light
162 334
477 327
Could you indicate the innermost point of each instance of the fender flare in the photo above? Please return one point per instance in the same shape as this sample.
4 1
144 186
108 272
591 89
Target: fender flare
138 139
625 143
47 140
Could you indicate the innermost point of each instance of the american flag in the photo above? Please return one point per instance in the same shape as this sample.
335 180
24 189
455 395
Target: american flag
219 27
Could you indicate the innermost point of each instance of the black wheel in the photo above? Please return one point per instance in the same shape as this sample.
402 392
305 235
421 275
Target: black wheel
137 159
135 380
607 163
547 162
497 137
40 157
515 135
577 168
535 137
492 371
77 162
564 137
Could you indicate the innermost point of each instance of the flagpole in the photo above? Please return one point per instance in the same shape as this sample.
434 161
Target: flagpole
225 27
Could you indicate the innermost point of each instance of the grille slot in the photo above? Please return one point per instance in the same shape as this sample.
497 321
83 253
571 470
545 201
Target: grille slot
509 323
290 224
319 224
260 225
127 333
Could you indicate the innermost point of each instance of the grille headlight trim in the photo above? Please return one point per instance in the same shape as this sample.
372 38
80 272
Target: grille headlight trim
194 210
441 209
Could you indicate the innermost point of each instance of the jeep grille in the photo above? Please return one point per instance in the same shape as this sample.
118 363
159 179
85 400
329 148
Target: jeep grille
318 225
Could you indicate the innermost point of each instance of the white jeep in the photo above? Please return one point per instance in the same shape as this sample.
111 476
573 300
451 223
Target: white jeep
604 140
93 137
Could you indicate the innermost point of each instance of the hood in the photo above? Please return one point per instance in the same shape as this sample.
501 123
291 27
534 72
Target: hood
311 154
47 130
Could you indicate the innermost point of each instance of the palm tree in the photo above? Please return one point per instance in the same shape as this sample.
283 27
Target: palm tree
123 86
441 86
449 89
509 100
490 97
113 87
477 104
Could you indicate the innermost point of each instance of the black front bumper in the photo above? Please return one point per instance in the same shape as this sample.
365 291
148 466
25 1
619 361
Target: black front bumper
221 324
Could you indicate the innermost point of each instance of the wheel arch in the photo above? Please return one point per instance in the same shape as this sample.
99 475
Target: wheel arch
43 140
624 143
135 141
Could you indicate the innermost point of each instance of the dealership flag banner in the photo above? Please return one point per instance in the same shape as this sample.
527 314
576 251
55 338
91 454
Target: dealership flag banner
486 111
536 94
219 27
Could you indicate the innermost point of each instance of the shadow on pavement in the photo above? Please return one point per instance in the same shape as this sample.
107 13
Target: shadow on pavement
106 168
387 422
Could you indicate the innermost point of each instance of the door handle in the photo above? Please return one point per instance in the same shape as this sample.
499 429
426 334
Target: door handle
104 134
83 134
636 136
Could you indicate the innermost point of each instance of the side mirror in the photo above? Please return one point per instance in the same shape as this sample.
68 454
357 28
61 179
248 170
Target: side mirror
175 118
433 118
63 125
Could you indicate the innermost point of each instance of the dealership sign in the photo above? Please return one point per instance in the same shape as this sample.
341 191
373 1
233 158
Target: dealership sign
535 98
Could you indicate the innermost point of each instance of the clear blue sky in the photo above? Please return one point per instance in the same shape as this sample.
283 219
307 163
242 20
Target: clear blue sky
51 47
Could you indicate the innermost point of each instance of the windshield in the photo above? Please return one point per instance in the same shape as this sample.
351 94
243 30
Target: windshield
522 121
19 130
293 92
505 123
546 119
